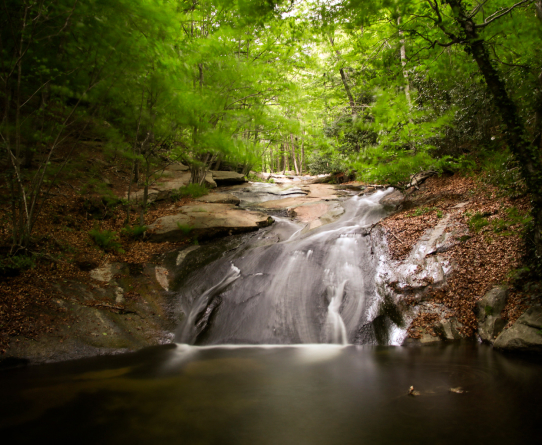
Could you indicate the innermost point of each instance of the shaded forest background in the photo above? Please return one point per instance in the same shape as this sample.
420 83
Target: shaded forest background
376 90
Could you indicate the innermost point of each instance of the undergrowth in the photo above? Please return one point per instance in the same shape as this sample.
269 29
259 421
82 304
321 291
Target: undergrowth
189 191
106 240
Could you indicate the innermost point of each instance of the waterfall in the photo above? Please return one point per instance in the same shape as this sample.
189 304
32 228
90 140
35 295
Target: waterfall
335 327
288 286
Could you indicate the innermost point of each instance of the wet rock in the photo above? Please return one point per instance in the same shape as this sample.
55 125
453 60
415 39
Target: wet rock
206 221
393 200
525 335
424 338
448 329
228 178
124 313
105 272
367 191
353 187
220 198
489 308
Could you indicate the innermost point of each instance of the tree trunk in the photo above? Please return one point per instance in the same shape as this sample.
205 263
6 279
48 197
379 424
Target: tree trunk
403 65
292 145
283 159
344 80
537 142
527 154
302 161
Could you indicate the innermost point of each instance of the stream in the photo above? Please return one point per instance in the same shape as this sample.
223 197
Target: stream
283 338
290 287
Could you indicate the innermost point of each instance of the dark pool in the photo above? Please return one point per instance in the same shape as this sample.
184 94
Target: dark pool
321 394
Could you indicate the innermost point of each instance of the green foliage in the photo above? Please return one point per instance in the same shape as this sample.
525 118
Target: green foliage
477 221
134 232
106 240
423 210
323 162
185 228
189 191
255 178
14 264
394 168
502 171
500 226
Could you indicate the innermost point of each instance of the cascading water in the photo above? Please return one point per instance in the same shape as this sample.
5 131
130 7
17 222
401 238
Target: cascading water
280 285
288 287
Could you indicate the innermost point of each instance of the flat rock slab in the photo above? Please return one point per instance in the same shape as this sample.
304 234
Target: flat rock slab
207 221
220 198
323 191
228 178
310 211
287 203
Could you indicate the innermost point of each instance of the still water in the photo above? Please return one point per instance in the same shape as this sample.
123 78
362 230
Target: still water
307 394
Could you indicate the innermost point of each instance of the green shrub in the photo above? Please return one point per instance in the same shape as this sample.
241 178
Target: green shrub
322 162
189 191
186 229
134 232
255 178
106 240
477 221
12 265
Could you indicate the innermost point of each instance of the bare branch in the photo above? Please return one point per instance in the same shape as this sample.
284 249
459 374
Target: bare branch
498 14
477 9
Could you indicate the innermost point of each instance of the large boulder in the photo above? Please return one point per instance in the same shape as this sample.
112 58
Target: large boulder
228 178
448 329
209 181
393 200
220 198
206 221
177 167
525 335
489 308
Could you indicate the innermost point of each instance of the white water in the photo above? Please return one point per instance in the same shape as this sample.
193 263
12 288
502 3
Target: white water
315 287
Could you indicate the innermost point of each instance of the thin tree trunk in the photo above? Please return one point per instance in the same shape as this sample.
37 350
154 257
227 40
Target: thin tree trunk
302 152
537 142
403 64
516 137
292 145
344 80
407 84
283 159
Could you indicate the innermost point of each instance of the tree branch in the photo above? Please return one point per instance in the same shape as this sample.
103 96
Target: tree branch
498 14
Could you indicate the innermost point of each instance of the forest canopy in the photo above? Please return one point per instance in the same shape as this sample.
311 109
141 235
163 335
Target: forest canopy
377 89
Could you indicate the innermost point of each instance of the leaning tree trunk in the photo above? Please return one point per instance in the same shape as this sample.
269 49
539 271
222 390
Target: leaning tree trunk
516 136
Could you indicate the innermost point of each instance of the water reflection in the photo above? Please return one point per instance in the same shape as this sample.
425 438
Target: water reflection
310 394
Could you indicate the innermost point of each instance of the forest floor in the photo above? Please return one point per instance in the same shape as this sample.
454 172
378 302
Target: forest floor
64 251
487 250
